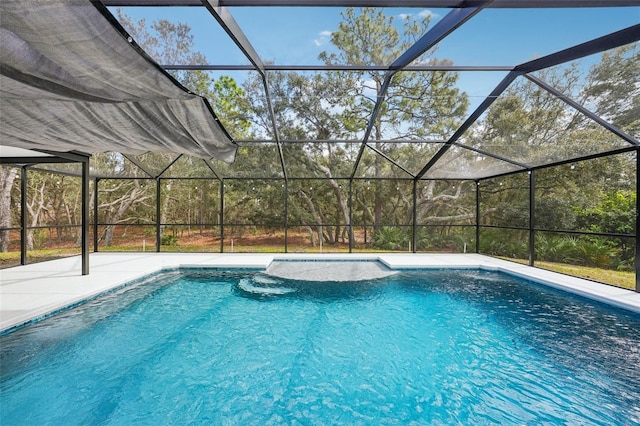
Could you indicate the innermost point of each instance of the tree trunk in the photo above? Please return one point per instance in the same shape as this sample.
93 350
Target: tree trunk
337 190
314 212
7 177
312 235
379 196
165 206
35 207
135 196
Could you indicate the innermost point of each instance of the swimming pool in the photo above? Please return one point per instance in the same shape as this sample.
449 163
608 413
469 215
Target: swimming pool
239 347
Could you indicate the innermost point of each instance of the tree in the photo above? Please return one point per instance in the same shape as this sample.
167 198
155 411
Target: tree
614 88
417 105
7 177
336 105
169 43
532 126
230 103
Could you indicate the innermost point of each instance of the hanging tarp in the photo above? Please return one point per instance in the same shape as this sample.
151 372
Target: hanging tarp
72 79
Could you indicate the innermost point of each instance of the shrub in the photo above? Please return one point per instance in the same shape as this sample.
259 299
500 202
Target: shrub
391 238
598 252
496 242
592 251
558 248
169 240
429 238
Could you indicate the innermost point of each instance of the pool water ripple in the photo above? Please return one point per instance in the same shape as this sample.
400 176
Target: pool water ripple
430 347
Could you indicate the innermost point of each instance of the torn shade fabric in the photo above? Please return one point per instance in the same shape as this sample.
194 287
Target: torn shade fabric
72 80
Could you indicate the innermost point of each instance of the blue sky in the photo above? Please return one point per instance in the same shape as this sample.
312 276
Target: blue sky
296 35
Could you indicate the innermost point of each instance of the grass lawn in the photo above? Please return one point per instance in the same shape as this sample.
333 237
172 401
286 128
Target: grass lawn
624 279
617 278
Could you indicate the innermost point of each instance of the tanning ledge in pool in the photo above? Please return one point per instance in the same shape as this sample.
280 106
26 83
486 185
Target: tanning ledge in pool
328 270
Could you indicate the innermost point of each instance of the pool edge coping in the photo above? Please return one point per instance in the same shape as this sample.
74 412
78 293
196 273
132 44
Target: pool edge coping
613 296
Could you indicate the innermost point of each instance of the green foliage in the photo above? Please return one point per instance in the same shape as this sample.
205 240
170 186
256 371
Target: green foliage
502 242
504 201
598 252
611 87
392 238
167 43
449 239
615 213
417 104
230 103
169 240
588 251
558 248
554 213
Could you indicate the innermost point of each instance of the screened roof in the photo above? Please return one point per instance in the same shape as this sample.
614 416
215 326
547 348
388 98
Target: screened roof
478 88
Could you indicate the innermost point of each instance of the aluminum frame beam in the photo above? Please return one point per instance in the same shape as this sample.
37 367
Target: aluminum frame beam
241 142
496 156
276 132
212 168
439 31
515 4
489 100
355 68
139 165
372 120
84 238
231 27
19 161
597 45
70 157
23 215
560 163
389 159
49 157
566 99
607 42
168 166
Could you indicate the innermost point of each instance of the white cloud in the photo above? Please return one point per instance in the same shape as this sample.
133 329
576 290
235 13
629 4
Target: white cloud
422 14
428 14
324 37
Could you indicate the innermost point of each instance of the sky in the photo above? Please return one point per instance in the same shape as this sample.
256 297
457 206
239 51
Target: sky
297 35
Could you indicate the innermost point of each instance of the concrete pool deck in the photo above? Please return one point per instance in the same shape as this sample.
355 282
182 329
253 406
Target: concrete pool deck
32 291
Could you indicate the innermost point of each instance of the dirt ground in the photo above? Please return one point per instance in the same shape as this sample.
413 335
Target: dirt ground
137 237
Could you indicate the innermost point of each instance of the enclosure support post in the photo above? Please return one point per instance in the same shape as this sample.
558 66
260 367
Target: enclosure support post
95 214
414 237
23 215
351 216
158 230
638 220
286 216
221 215
85 217
477 216
532 221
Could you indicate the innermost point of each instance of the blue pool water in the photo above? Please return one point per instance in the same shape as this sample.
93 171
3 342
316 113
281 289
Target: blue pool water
429 347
